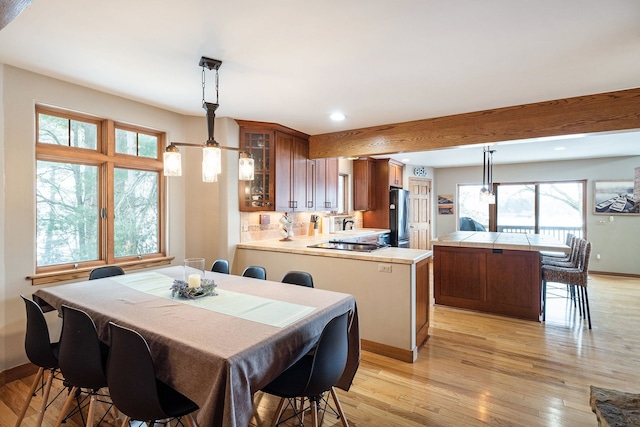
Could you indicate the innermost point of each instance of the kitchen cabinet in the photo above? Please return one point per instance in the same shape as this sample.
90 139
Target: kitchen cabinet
259 194
497 281
364 184
281 157
292 154
395 173
401 292
326 184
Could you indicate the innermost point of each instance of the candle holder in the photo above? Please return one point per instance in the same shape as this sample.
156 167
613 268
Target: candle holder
193 271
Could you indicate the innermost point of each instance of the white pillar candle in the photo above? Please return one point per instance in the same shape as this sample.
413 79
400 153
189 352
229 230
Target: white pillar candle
194 280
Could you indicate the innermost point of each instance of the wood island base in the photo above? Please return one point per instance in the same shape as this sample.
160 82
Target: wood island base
497 281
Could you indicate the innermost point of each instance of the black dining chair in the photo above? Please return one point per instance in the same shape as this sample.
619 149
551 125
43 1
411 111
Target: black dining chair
255 272
314 374
106 271
41 352
83 359
301 278
220 266
133 385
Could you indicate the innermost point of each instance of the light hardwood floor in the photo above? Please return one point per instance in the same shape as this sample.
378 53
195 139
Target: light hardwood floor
478 370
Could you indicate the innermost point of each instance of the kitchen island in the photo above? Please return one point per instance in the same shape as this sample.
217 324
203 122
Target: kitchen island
496 273
391 285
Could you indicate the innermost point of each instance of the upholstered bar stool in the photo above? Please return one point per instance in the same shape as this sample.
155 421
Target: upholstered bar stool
576 277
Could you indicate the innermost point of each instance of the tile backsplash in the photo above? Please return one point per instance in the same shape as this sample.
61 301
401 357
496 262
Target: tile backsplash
253 227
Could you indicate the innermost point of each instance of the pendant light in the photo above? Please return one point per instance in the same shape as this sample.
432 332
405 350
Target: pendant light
211 150
486 192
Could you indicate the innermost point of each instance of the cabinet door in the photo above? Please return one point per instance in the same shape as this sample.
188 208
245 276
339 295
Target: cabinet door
395 174
291 156
258 195
331 183
311 185
299 157
326 184
284 169
364 185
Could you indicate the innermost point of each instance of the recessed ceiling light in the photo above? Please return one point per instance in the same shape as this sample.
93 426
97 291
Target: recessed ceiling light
405 160
559 148
337 117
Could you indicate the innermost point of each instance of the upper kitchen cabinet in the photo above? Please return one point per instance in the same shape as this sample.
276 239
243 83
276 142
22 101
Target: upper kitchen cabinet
364 184
259 194
395 173
280 156
326 184
292 153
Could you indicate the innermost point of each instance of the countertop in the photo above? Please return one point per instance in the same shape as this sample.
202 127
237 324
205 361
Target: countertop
509 241
298 245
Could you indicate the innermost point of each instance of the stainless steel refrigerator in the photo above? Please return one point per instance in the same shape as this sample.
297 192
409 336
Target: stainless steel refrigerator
399 217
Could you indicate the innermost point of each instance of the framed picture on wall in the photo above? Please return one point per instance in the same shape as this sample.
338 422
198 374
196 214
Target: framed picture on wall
615 197
445 204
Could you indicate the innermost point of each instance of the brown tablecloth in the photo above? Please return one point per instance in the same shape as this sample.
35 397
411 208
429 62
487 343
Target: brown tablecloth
216 360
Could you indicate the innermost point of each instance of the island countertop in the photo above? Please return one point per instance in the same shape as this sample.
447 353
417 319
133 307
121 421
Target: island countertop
494 240
299 245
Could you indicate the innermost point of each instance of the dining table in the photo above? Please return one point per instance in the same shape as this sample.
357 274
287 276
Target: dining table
217 350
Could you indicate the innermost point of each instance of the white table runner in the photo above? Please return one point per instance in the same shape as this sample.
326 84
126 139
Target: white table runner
249 307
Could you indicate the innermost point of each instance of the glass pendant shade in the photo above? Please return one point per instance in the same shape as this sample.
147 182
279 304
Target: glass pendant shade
172 163
245 167
211 163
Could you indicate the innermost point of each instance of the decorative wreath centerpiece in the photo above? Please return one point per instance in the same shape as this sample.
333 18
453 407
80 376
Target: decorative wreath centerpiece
181 288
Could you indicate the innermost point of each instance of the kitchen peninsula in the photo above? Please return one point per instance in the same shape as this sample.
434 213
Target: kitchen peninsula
491 272
391 285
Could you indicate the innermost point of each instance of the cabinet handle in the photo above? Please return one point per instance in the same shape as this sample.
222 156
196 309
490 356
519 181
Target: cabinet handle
327 204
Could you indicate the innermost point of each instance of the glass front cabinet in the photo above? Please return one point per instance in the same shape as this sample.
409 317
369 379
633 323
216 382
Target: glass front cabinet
259 194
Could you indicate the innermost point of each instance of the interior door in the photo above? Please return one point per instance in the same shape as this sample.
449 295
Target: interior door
420 220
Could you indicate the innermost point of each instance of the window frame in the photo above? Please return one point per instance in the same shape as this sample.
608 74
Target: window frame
492 208
107 160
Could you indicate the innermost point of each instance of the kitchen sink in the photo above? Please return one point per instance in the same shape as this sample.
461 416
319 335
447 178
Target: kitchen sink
349 246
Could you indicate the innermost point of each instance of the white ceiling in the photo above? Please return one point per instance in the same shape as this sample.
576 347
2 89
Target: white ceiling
294 62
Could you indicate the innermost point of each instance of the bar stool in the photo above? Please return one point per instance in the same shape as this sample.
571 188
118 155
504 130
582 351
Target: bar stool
576 277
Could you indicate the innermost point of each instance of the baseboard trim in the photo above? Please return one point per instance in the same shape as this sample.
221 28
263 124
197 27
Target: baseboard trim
608 273
409 356
17 373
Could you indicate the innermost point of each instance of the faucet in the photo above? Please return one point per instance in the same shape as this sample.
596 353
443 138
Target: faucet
346 221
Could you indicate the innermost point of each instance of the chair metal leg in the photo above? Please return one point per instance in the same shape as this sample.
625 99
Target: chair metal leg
586 299
66 406
343 417
544 300
32 391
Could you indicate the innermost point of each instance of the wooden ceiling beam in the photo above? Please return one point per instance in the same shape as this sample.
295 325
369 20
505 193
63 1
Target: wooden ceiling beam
602 112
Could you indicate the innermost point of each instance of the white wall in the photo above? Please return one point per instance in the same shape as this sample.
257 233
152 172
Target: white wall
617 242
193 208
